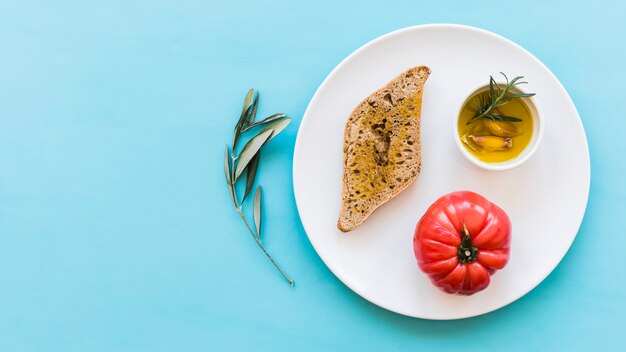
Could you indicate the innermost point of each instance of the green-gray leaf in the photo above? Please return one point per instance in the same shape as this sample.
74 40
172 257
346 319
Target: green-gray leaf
277 127
249 151
249 107
514 81
247 102
506 118
520 95
227 172
227 165
500 103
505 77
251 174
257 212
265 121
252 113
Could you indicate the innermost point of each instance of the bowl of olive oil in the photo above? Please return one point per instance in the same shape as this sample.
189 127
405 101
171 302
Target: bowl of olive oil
499 125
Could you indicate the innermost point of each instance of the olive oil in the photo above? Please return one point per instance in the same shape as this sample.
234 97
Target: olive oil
392 143
495 142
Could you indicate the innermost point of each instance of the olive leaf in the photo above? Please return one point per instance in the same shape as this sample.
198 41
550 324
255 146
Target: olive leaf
264 121
227 165
247 102
257 211
227 172
272 118
251 174
250 150
276 127
253 109
249 108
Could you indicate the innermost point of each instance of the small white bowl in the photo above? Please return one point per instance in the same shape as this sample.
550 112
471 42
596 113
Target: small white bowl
530 149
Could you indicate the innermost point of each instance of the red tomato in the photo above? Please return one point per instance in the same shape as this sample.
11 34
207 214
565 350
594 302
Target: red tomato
461 241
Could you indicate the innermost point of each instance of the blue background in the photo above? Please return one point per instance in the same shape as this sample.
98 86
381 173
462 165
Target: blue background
116 231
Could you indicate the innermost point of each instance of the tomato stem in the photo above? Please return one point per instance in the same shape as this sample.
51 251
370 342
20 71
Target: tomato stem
466 253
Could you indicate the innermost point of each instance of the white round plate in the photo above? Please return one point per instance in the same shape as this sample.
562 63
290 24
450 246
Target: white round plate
545 198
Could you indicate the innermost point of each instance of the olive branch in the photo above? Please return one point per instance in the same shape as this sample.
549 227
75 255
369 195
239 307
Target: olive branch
247 161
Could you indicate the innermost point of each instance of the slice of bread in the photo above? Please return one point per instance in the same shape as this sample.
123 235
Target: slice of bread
382 149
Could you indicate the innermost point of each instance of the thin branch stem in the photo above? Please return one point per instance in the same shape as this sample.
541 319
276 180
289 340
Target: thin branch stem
240 212
238 207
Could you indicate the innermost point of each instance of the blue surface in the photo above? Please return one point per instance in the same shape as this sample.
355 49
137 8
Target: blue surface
116 231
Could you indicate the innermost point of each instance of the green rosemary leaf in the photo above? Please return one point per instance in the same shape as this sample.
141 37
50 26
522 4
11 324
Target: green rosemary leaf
505 77
507 118
257 211
514 80
475 118
251 174
518 95
277 127
491 84
250 150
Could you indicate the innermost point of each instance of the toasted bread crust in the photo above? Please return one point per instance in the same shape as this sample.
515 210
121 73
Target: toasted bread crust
382 148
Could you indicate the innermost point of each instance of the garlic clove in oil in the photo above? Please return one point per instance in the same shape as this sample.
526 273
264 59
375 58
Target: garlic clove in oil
500 128
492 142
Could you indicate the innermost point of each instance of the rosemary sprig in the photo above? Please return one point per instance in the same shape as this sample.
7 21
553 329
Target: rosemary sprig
248 161
485 104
